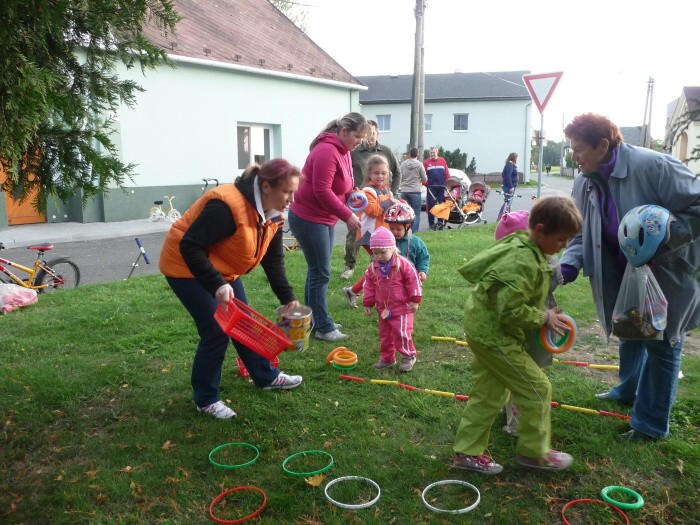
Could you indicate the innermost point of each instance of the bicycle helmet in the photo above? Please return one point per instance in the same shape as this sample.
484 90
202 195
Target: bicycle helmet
400 213
642 230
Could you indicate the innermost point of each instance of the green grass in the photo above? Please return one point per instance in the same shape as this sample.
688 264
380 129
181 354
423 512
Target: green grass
99 427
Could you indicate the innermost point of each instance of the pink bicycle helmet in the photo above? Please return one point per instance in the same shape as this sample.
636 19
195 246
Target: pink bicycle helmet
400 213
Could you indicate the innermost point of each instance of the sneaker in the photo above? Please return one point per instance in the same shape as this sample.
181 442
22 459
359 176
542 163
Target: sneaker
553 461
219 410
383 364
603 395
333 335
483 464
352 297
636 435
407 363
347 273
284 382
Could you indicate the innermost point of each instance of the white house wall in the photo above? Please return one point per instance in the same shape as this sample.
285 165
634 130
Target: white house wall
495 130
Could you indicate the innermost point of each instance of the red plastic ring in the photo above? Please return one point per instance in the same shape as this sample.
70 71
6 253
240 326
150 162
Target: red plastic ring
244 518
597 502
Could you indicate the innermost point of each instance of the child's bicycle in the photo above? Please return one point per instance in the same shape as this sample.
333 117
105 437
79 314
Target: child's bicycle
507 203
157 213
43 276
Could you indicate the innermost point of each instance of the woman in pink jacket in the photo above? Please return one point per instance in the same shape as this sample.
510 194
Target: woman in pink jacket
318 204
393 286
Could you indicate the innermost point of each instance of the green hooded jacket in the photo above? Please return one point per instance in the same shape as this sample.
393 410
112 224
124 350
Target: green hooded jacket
508 284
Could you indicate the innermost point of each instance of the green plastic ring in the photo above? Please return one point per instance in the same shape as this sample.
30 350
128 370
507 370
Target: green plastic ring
637 504
343 367
226 445
304 453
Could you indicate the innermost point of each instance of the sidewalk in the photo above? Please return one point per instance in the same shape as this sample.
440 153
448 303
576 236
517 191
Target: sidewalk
57 232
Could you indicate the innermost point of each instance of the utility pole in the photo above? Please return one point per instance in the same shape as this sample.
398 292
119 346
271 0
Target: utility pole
646 128
418 92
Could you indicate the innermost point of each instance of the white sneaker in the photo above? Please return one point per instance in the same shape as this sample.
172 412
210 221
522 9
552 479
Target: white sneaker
219 410
284 382
333 335
347 273
351 297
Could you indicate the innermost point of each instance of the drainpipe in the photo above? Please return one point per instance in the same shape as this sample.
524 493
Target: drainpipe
528 139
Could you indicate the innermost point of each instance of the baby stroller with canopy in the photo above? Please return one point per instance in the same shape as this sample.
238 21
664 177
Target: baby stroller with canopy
464 202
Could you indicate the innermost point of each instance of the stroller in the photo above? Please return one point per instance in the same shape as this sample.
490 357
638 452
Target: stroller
464 202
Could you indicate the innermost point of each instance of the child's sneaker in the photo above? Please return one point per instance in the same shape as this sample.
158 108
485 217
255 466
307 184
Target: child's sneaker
407 363
553 461
347 273
284 382
351 297
383 364
219 410
483 464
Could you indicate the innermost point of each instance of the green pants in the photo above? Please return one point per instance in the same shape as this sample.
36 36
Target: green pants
496 372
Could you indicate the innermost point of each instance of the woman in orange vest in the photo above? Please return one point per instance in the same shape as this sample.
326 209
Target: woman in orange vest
226 233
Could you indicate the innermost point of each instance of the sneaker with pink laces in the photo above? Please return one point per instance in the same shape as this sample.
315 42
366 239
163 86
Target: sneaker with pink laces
284 382
553 461
219 410
483 464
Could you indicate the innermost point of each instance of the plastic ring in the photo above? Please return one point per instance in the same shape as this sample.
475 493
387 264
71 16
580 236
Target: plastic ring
226 445
451 482
345 359
597 502
304 453
344 367
357 201
348 505
638 502
545 338
239 520
329 357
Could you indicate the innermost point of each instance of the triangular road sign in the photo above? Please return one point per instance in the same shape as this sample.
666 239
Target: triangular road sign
541 87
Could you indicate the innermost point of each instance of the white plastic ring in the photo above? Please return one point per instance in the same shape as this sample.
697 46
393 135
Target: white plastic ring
451 482
348 505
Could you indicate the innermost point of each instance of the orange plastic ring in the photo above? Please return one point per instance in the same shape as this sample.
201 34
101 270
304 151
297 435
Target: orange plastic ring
333 352
568 343
345 358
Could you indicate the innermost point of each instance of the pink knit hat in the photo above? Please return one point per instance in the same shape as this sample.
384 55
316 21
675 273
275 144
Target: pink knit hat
382 238
510 222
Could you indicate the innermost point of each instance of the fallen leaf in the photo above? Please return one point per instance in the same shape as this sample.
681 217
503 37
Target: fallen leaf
167 445
316 480
125 469
680 466
327 444
92 473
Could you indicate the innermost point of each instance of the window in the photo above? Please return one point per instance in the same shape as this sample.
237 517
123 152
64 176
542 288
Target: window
384 122
428 122
461 121
254 143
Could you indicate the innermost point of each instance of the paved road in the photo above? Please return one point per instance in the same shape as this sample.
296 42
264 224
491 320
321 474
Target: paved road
108 260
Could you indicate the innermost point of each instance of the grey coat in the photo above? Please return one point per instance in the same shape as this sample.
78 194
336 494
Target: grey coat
642 176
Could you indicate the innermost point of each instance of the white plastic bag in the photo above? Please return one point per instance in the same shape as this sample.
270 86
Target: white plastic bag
640 309
13 297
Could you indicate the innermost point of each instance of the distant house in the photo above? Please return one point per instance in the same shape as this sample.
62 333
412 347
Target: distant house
632 135
486 115
683 127
248 85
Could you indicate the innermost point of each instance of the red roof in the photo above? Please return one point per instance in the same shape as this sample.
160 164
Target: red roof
250 33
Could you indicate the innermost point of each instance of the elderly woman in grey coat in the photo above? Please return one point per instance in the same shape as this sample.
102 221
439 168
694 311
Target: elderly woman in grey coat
616 177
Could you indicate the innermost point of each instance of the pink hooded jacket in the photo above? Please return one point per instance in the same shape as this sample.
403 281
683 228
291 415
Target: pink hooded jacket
326 184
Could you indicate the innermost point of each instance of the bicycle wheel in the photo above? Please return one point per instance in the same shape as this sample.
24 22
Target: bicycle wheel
62 273
155 214
173 215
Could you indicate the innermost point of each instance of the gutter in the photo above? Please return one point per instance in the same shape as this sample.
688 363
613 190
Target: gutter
264 72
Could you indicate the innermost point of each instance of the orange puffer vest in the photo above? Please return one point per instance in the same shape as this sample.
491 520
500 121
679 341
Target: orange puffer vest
233 256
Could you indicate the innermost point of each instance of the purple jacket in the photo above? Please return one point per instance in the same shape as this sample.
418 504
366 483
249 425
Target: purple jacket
326 184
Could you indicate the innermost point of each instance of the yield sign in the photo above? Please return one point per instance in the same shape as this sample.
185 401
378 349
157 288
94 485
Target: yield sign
541 87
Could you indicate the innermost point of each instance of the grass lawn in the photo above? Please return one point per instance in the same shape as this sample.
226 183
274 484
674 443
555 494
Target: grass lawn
99 426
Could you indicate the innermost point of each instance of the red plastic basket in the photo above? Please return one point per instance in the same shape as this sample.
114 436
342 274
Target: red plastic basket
244 371
255 331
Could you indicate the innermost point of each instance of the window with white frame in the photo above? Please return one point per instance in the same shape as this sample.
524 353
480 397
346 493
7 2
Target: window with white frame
428 122
461 122
254 145
384 122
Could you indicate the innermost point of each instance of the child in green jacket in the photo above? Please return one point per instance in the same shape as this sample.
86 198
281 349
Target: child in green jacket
507 287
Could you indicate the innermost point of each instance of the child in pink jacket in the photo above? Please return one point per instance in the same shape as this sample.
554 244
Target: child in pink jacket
393 286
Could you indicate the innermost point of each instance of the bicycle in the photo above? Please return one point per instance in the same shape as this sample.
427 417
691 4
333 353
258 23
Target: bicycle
157 213
43 276
289 242
507 203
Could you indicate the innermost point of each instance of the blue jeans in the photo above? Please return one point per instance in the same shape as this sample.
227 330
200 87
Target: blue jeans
648 382
213 342
413 200
316 242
